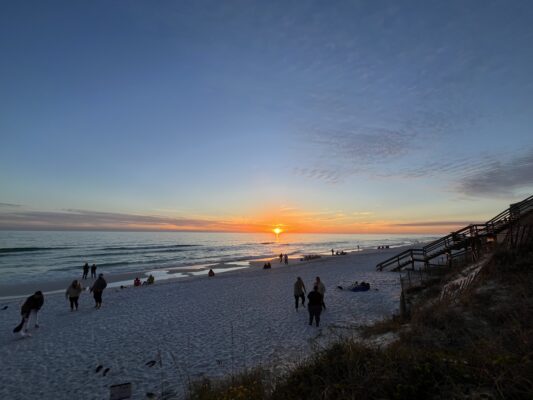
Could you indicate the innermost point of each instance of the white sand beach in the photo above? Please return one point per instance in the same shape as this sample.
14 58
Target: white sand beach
196 326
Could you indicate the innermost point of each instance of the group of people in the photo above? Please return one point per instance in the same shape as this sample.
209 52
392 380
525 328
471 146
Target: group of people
283 258
31 306
149 281
383 247
75 289
86 271
315 303
338 253
267 266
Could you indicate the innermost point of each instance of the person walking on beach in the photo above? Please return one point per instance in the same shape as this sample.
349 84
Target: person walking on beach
73 294
286 259
93 271
314 306
85 271
280 258
299 292
321 290
97 289
332 252
30 308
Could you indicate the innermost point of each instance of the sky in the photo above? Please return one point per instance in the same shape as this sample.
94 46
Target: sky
311 116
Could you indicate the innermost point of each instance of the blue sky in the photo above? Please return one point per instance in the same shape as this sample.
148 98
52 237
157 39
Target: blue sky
355 115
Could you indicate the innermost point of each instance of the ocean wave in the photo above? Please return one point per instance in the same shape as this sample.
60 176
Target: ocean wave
9 250
173 246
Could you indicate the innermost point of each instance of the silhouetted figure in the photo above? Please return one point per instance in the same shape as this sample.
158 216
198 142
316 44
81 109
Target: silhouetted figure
280 258
73 294
93 271
211 273
321 290
30 308
85 271
314 306
136 282
267 266
150 279
98 289
299 292
332 252
286 259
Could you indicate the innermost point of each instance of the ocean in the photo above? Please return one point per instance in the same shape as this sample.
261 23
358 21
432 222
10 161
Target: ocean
48 256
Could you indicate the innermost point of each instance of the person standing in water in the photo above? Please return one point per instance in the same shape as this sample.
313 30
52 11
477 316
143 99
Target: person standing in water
73 294
299 292
286 259
93 271
97 289
85 271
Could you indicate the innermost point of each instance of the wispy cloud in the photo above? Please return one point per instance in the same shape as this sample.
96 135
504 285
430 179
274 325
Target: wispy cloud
93 220
435 223
499 178
10 205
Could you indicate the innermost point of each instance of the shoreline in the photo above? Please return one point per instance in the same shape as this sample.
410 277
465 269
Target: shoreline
17 291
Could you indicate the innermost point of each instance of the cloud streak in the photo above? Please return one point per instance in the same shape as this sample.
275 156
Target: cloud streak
93 220
499 178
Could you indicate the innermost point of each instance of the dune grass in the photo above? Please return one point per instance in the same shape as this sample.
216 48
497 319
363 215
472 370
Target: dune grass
476 345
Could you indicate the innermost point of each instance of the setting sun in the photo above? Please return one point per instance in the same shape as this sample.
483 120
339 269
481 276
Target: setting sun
277 231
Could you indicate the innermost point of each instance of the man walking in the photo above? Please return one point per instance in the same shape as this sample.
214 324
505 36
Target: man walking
321 290
299 292
30 308
314 306
97 289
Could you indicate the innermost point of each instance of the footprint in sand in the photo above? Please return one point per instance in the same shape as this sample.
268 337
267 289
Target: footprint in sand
99 368
106 371
4 308
150 363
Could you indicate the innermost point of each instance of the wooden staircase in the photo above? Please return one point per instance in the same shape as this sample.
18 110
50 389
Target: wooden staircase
471 239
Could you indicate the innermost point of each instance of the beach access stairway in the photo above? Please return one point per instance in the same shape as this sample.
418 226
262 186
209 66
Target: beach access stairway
472 240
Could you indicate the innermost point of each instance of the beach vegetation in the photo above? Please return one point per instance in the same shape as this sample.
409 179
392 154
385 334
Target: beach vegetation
476 344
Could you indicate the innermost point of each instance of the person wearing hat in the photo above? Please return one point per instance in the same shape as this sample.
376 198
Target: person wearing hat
97 289
30 308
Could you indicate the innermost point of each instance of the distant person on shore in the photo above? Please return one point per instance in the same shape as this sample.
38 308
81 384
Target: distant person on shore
30 308
321 290
93 271
299 292
314 306
85 271
286 259
280 258
98 289
332 252
73 294
136 282
267 266
211 273
150 279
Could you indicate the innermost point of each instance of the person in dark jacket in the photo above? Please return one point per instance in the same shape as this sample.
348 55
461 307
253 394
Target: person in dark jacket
85 271
299 292
30 308
314 306
73 294
97 289
93 271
